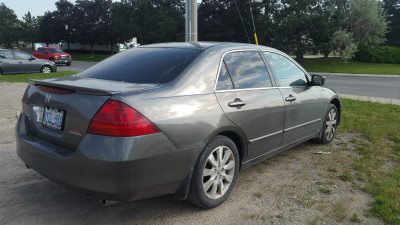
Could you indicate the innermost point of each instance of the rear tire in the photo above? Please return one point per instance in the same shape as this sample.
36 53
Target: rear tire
1 72
215 173
329 126
46 69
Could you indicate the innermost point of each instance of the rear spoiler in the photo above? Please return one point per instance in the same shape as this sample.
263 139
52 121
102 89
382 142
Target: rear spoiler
77 89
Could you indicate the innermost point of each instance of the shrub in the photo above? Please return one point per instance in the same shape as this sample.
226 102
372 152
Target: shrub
378 54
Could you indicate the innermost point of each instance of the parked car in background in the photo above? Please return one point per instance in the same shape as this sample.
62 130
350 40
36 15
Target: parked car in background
179 118
53 54
13 61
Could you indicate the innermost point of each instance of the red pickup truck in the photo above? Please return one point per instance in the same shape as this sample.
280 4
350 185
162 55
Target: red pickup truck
54 54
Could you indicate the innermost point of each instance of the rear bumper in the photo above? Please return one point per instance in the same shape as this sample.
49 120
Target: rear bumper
111 168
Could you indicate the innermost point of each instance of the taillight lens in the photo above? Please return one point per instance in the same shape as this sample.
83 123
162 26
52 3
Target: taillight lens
116 118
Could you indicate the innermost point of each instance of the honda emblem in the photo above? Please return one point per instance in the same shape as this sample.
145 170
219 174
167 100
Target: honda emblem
47 98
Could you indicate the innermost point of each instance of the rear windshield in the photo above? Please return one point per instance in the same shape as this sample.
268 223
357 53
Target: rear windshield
143 65
55 50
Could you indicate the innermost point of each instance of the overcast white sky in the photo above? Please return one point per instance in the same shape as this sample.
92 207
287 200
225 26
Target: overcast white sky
36 7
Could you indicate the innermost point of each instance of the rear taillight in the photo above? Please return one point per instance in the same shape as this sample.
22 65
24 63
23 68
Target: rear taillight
116 118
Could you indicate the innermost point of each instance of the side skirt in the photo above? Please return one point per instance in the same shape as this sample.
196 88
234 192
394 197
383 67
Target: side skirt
276 151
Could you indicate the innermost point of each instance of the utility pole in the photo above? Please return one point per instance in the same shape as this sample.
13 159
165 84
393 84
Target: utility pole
191 20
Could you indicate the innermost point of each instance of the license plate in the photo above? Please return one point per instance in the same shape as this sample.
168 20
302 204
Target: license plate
53 118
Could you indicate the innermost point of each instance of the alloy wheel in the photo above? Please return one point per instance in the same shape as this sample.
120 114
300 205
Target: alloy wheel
46 69
331 121
218 172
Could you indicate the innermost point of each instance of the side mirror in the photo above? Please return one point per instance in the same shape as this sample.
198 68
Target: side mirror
317 80
32 58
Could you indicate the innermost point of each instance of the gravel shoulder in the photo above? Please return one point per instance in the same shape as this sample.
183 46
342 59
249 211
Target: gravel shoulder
296 187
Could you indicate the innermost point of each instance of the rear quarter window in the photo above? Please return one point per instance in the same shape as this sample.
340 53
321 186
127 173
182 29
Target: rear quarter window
143 65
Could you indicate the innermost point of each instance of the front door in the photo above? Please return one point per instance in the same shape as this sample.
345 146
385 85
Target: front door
26 63
248 98
304 108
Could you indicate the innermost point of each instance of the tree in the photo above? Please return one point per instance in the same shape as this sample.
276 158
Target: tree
91 17
221 21
49 28
294 19
10 27
66 24
158 20
30 28
367 22
120 24
344 44
392 9
328 17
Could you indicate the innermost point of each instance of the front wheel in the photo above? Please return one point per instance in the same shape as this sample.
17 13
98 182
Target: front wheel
330 124
45 69
215 173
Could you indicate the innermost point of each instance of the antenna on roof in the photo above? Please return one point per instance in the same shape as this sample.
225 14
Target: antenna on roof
237 7
254 26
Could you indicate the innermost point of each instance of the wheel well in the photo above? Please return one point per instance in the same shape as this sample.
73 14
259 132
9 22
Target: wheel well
238 142
339 108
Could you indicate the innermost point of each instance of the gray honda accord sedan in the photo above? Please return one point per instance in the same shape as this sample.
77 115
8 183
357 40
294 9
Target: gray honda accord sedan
180 118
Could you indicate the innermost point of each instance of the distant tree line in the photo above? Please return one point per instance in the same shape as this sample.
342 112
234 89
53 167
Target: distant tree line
320 26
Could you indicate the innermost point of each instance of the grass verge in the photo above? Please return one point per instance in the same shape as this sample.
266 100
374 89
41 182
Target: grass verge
89 57
27 77
379 161
334 65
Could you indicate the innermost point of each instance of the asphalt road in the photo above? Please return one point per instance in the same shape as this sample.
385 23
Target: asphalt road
76 66
371 86
380 87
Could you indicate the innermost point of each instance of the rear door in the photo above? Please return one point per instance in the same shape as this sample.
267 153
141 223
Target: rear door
249 99
41 53
304 109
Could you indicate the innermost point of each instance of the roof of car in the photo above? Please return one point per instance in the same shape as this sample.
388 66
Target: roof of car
193 45
48 47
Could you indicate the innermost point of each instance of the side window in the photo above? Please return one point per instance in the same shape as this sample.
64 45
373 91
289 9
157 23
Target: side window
42 50
6 55
247 70
224 80
21 55
287 73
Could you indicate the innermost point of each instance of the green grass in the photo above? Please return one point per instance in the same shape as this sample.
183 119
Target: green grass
27 77
88 57
379 161
334 65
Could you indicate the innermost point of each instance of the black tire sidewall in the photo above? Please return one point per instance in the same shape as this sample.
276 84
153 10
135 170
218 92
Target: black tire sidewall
196 193
323 139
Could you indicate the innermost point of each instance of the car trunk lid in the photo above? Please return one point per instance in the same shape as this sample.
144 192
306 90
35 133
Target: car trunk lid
59 110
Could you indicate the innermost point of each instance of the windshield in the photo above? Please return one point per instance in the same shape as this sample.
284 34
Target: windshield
143 65
55 50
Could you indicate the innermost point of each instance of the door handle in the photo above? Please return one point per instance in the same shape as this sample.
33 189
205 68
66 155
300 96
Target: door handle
290 98
237 103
